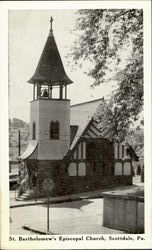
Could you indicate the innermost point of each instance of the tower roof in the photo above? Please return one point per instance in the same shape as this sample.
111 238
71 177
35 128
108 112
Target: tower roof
50 69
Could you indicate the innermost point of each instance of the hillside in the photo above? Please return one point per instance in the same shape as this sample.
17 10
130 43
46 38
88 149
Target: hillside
14 126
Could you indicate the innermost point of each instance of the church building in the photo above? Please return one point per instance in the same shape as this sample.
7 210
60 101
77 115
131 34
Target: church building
66 146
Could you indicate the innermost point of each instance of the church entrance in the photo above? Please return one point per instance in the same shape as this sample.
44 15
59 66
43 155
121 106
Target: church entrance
100 157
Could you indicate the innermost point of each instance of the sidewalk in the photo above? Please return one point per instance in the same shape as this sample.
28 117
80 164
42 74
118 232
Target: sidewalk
66 198
80 213
73 197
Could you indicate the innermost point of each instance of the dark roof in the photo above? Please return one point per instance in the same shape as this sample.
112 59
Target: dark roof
50 68
73 130
132 153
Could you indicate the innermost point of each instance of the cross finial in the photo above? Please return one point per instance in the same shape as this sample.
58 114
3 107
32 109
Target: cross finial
51 21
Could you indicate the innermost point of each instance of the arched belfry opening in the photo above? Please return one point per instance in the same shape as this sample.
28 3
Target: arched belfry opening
50 76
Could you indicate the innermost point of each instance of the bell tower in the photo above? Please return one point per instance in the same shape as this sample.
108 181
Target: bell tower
50 113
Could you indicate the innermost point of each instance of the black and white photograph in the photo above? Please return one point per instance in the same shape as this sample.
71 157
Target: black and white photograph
76 125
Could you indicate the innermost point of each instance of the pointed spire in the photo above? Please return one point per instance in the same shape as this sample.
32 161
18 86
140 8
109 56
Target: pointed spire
50 69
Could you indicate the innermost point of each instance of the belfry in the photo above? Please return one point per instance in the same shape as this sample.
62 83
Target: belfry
65 142
49 115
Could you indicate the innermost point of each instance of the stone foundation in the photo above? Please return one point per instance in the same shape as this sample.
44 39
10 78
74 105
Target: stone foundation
65 184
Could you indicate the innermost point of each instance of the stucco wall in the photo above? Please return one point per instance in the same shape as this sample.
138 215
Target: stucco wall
42 113
34 117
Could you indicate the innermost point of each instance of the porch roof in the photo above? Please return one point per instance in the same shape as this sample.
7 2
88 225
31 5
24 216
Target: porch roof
29 151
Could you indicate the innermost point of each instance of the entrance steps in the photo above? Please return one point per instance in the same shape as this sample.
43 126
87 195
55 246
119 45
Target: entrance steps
27 195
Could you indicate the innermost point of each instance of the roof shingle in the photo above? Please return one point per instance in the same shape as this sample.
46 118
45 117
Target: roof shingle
50 69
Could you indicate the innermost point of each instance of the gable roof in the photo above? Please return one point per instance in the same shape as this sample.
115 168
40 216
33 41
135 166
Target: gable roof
80 115
81 112
50 69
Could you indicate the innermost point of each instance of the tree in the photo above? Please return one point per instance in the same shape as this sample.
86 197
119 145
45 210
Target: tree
17 123
112 117
112 40
135 137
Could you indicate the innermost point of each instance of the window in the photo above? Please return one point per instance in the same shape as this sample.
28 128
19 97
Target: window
77 169
72 169
118 168
54 130
34 131
127 168
82 169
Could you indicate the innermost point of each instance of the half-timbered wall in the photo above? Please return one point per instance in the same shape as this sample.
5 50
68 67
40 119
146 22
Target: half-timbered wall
77 166
122 160
91 157
99 156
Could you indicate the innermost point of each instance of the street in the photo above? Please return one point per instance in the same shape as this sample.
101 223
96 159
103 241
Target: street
77 217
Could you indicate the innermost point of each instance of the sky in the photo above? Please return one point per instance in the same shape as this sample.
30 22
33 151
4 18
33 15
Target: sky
28 32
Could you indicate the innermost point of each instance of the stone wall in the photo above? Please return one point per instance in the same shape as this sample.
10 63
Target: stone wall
64 184
124 210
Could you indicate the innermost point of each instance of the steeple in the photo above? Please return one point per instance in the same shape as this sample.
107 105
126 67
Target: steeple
50 70
51 29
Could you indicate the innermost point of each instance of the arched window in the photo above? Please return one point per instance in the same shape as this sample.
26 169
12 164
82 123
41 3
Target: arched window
54 130
34 131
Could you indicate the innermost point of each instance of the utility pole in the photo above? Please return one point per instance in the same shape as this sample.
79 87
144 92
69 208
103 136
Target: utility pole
19 142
